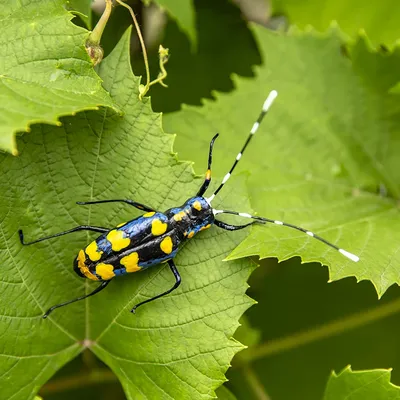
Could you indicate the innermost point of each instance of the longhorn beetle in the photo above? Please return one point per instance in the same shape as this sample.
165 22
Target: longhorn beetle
155 237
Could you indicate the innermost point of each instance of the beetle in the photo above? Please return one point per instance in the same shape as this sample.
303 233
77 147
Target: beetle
155 237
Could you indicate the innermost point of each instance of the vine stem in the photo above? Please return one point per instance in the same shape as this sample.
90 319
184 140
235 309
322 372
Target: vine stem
255 384
320 332
79 380
143 46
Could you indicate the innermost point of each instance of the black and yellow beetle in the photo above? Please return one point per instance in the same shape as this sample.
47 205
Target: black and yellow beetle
155 237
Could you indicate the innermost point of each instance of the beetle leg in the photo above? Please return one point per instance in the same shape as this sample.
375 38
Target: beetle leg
140 206
177 283
97 290
78 228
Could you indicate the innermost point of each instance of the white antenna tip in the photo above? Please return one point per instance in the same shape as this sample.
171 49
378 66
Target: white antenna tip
351 256
270 99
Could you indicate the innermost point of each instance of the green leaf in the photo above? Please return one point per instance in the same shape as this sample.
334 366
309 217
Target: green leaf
196 75
361 385
379 19
45 71
183 12
84 10
319 160
310 327
378 69
180 345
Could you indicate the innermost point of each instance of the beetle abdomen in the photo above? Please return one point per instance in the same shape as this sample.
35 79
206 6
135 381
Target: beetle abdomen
138 244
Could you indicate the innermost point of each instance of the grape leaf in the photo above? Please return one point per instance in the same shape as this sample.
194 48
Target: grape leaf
45 71
84 10
179 346
194 75
362 385
323 158
379 19
183 13
370 64
310 327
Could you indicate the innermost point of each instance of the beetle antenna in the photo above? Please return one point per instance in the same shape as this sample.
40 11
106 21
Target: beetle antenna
262 220
267 104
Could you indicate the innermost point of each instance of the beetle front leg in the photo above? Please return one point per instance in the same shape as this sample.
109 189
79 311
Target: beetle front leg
135 204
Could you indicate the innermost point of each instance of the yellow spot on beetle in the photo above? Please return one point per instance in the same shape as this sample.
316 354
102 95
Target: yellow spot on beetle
158 227
208 174
197 205
81 258
205 227
178 216
121 224
93 252
149 214
131 262
106 271
85 271
83 267
191 234
166 245
117 240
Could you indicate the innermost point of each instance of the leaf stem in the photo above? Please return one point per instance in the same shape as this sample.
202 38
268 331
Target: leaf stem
79 380
97 32
320 332
92 45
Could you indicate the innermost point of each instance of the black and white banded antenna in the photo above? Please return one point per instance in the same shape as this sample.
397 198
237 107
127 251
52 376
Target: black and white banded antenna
267 104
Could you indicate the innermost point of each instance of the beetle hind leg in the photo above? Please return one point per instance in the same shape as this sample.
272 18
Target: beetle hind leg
97 290
177 283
